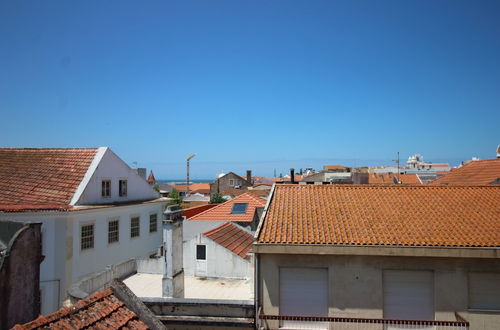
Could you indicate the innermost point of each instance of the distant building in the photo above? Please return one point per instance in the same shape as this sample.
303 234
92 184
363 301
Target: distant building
94 209
229 181
20 258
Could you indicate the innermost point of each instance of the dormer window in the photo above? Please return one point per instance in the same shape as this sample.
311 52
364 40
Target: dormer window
122 188
239 208
106 188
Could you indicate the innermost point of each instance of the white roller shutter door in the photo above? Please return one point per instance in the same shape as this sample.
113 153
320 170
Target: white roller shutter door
408 295
304 292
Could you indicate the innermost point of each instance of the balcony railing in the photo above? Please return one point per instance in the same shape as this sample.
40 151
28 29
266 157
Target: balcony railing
347 323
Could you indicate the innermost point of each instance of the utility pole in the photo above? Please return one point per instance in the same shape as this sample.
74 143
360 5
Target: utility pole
397 161
187 172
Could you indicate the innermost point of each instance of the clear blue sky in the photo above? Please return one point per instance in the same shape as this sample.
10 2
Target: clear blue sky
252 84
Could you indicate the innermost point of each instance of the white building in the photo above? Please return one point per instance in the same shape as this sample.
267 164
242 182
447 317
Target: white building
220 252
95 210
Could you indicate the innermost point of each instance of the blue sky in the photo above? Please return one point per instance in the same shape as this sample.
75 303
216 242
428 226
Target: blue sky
252 84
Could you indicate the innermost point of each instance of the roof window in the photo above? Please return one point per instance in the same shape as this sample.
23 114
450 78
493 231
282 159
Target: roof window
239 208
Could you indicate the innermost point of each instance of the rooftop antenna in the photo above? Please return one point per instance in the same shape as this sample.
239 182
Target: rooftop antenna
397 161
134 163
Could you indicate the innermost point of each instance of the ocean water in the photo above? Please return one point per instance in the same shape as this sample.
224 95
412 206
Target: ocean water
181 181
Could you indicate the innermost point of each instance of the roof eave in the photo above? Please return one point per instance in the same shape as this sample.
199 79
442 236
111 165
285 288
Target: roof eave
378 250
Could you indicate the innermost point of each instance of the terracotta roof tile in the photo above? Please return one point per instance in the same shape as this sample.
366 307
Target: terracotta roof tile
151 177
238 192
222 212
388 178
101 310
193 186
480 172
41 178
232 238
192 211
383 215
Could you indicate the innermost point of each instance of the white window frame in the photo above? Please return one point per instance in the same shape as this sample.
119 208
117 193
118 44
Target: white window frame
156 223
86 224
138 226
117 230
103 195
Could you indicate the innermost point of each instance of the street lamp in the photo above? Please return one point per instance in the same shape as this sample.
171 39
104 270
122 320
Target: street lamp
187 172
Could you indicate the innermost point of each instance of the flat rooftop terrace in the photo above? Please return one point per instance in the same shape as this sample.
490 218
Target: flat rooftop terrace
149 285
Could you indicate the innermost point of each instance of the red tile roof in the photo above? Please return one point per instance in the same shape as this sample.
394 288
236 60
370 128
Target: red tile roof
334 167
151 178
393 215
192 211
479 172
41 178
232 238
222 212
193 186
101 310
388 178
238 192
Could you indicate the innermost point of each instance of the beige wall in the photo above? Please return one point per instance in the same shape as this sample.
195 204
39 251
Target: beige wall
355 284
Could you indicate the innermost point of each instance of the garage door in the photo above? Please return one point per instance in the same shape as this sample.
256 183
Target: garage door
304 292
408 295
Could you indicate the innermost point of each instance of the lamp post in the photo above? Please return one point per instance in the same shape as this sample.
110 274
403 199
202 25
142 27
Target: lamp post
187 172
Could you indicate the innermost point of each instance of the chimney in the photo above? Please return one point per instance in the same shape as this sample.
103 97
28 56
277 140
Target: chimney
249 176
292 175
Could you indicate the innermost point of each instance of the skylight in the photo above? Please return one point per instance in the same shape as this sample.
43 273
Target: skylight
239 208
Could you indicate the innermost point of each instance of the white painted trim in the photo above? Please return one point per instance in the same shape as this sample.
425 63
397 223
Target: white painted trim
90 172
263 215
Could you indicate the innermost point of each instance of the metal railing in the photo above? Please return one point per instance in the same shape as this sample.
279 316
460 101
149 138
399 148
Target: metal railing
347 323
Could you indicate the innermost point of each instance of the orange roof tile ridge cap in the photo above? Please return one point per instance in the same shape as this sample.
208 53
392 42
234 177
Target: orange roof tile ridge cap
88 175
264 214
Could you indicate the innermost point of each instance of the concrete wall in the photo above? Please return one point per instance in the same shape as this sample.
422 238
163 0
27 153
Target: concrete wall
20 278
220 261
355 284
202 313
111 167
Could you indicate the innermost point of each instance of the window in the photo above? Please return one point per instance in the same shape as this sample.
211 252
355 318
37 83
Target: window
231 182
153 223
113 231
239 208
122 188
135 229
201 252
106 188
87 237
483 291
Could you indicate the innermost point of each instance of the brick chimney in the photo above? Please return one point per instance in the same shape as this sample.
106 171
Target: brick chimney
292 175
249 176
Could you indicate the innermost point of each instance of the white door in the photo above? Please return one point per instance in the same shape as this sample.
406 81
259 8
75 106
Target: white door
408 295
304 292
201 260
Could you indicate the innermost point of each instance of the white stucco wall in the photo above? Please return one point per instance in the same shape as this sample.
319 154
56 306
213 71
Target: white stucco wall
111 167
220 261
65 263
